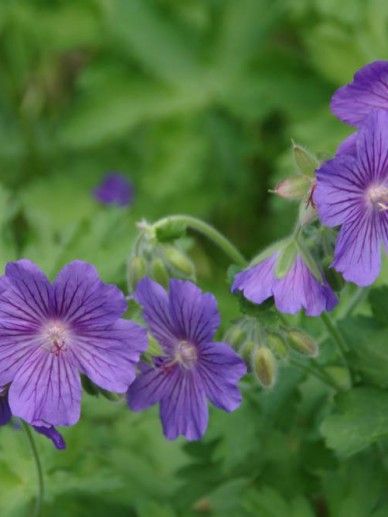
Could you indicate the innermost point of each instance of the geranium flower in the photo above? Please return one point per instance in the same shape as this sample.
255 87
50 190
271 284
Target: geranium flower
297 289
51 333
194 368
115 189
352 192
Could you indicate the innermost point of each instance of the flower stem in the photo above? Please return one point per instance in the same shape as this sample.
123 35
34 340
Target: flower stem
209 231
357 298
39 470
337 338
317 372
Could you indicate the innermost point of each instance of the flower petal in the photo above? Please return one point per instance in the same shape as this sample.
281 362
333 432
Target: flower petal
194 313
156 312
220 369
256 282
109 356
82 299
369 90
339 191
150 386
52 434
372 146
46 390
184 410
348 145
5 411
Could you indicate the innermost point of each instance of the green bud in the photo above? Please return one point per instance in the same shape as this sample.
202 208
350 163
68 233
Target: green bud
306 162
136 271
235 336
170 230
247 349
264 366
302 343
277 344
179 261
159 272
295 187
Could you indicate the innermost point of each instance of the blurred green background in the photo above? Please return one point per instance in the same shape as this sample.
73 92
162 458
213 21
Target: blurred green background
196 101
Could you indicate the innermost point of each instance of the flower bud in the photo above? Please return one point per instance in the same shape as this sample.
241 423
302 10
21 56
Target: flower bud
235 336
179 261
159 272
295 187
136 270
277 344
247 349
306 162
302 343
264 366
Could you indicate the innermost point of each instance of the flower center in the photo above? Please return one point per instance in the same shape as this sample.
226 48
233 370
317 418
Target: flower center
56 336
186 354
377 196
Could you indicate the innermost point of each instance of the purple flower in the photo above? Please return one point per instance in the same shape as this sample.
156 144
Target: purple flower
51 333
193 368
50 432
115 189
368 91
297 289
352 192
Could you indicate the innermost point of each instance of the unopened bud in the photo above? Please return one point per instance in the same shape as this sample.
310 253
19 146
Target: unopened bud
179 261
264 366
235 336
302 343
277 344
136 271
247 349
159 272
306 162
295 187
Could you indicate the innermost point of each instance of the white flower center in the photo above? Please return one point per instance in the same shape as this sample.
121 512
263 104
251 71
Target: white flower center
377 196
56 336
186 354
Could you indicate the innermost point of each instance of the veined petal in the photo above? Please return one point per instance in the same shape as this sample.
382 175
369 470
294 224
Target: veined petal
220 369
348 145
372 146
46 390
151 385
257 282
194 314
357 253
184 410
16 347
5 411
83 300
109 356
156 311
369 90
52 434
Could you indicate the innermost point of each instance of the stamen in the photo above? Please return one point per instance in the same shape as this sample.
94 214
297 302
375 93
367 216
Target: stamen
186 354
377 196
56 335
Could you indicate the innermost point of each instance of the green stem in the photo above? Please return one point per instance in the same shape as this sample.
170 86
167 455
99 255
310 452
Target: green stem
357 298
337 338
210 232
317 372
39 470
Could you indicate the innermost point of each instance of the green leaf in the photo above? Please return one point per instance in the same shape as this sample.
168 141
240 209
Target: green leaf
378 299
360 419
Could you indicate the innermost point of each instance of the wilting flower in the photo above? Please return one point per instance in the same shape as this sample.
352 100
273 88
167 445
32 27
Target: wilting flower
368 91
51 333
297 289
50 431
115 189
352 192
193 368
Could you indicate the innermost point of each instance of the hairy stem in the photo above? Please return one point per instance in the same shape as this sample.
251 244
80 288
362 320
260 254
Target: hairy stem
210 232
39 470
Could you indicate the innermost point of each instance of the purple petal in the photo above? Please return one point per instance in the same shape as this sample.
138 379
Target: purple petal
28 296
220 369
299 289
348 145
5 411
156 311
109 356
194 313
184 410
369 90
357 253
115 189
372 146
52 434
340 189
46 390
257 282
150 386
83 300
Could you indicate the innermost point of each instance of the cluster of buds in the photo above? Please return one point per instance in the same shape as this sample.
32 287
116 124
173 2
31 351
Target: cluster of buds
157 259
265 349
